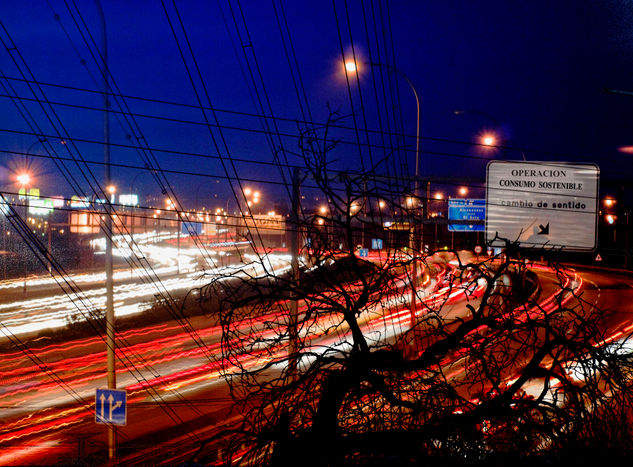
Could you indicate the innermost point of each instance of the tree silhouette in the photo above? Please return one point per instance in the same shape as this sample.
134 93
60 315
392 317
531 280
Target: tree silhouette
329 364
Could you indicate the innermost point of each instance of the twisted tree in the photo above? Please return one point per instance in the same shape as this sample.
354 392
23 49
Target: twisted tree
337 362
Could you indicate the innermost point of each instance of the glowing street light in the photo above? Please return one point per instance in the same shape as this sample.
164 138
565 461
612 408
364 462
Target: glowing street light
111 189
251 196
488 139
350 66
23 179
463 191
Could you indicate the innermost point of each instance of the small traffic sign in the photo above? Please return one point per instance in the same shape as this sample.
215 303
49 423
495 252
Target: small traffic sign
376 243
478 249
111 406
598 257
363 252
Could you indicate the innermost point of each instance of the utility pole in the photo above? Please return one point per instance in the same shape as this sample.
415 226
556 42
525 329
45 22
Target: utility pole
179 227
110 335
26 219
295 241
49 253
626 240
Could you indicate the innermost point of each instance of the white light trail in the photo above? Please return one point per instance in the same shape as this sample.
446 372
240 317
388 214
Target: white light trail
52 311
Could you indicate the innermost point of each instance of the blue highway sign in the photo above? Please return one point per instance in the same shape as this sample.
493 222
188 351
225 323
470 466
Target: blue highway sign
191 228
111 406
463 210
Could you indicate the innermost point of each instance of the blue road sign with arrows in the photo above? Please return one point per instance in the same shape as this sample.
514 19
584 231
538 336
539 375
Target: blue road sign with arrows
111 406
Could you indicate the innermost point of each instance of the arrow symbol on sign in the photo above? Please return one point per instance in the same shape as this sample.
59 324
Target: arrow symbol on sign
543 230
102 399
116 405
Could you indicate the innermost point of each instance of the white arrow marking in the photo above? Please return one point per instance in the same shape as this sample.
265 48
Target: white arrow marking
116 405
102 399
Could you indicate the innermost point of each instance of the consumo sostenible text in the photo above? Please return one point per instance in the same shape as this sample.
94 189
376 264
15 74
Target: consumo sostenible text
543 185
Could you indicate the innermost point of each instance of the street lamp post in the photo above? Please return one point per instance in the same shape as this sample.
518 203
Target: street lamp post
169 205
351 67
133 208
24 179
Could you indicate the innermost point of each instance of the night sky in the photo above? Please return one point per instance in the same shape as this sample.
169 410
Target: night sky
535 72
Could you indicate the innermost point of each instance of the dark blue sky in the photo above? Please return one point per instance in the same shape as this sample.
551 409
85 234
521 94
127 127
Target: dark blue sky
534 71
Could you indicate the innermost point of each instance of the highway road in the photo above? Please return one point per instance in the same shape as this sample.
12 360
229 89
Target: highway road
173 376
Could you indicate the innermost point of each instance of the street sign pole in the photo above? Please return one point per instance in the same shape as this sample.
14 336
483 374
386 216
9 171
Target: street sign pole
110 340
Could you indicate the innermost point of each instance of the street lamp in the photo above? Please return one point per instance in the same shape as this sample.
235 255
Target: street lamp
23 179
488 139
350 66
251 196
111 189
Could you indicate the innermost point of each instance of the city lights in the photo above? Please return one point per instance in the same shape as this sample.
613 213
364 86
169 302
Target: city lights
251 196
